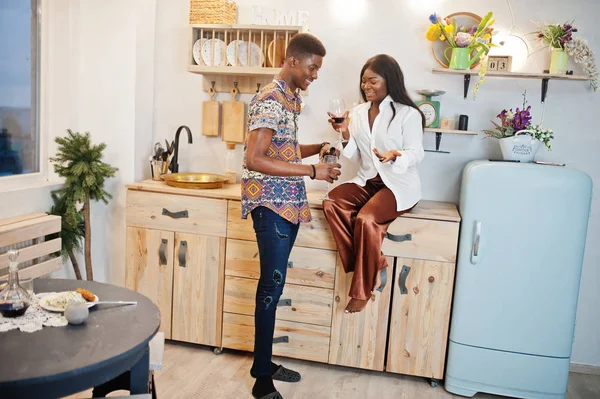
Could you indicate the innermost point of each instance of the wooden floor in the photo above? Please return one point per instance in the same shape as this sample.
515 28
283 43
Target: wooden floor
195 372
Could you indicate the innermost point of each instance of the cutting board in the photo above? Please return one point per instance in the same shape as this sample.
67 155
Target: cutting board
210 115
234 113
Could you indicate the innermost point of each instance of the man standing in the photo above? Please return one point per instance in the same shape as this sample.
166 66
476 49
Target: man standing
274 194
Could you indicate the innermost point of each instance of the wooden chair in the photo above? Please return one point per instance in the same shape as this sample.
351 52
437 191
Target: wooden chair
37 255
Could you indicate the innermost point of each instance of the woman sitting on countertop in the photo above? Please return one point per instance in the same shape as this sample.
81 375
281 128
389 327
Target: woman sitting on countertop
385 135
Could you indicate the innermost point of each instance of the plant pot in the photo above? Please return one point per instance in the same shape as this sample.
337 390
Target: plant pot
461 58
558 61
521 147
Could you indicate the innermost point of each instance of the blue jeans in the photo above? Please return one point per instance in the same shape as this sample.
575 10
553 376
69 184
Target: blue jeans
275 237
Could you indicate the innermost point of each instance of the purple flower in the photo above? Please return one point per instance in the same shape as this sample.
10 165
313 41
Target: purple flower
522 118
433 18
566 27
463 39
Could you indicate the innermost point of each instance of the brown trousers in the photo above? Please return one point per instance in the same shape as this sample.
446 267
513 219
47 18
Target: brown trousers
359 218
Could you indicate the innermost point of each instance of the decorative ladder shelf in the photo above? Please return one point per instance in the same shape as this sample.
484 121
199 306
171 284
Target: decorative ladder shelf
438 136
545 77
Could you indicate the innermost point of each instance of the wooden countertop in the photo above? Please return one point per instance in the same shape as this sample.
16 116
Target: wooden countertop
425 209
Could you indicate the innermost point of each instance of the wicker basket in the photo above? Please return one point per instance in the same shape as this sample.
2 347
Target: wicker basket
213 12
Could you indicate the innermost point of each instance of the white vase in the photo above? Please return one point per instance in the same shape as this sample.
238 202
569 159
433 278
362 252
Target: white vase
520 147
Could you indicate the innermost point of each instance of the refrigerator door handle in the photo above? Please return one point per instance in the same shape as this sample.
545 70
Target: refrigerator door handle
476 244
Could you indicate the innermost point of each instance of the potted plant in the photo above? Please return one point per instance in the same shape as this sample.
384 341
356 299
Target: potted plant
519 139
556 36
467 44
80 163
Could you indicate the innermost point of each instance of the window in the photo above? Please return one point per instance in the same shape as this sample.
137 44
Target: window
19 87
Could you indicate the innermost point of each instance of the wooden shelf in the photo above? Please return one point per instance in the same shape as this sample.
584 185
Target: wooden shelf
517 75
438 136
449 131
545 77
271 39
233 71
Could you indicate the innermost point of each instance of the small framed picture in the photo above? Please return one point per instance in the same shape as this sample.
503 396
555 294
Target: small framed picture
500 63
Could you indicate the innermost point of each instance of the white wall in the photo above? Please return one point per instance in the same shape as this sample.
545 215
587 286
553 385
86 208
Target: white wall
103 80
398 28
94 79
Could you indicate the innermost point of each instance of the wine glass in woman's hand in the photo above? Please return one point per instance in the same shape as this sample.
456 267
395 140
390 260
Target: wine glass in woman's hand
337 110
338 118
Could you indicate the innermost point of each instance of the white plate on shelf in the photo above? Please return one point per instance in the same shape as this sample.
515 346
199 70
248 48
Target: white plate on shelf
256 56
197 50
220 52
231 58
44 302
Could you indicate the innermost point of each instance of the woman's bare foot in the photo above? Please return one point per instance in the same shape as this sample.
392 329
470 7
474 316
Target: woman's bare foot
356 305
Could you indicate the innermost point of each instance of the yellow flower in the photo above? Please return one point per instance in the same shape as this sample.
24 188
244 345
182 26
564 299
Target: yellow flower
449 29
442 37
487 36
433 33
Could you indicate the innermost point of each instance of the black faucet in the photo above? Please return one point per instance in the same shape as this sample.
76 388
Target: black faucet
174 166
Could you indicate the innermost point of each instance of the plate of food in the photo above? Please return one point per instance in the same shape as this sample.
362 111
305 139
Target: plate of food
58 301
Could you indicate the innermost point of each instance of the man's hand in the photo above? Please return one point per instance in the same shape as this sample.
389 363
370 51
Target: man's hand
328 171
328 150
387 155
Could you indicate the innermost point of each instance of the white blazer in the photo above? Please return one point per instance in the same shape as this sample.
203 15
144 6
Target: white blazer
405 134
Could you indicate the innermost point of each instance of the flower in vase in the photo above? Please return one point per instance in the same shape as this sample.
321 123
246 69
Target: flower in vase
433 18
511 122
463 39
555 35
433 33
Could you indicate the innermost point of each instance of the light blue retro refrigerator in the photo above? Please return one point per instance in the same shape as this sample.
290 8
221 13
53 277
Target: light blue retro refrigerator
520 255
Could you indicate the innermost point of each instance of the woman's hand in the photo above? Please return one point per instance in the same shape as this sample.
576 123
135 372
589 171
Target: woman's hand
342 126
387 155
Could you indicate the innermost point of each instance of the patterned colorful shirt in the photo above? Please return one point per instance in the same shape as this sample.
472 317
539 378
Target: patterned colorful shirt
277 108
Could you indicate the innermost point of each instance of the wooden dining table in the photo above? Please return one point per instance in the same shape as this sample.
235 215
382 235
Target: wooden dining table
58 361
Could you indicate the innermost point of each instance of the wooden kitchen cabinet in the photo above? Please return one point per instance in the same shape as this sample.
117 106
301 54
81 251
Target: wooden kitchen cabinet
206 286
176 257
420 317
150 269
359 339
199 263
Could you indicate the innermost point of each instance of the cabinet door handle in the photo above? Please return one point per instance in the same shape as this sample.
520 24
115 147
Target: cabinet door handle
162 251
281 340
402 281
400 238
284 302
175 215
182 253
476 243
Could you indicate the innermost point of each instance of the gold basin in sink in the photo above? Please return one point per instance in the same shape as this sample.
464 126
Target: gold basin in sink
194 180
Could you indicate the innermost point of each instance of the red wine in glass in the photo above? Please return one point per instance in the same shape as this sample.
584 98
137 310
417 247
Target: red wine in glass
337 108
